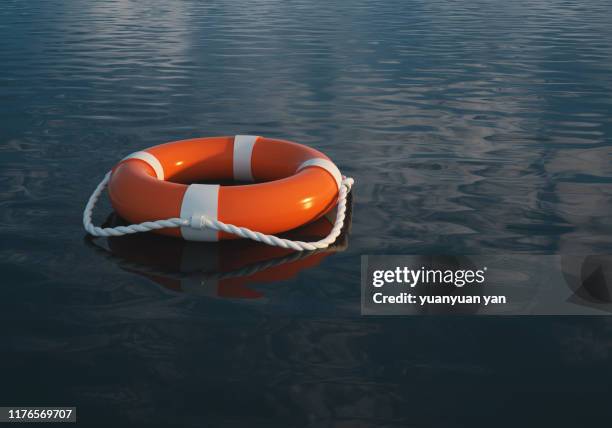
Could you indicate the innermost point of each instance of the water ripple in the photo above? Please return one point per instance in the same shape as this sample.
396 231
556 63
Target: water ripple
470 127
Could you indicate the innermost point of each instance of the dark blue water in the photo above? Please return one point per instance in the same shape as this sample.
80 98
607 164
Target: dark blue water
469 126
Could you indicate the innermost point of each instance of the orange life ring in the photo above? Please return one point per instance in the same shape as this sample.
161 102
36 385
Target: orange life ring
293 184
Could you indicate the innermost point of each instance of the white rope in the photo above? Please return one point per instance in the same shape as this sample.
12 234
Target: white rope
201 222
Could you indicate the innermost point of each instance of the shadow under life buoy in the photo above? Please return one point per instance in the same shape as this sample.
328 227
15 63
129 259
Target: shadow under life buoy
221 269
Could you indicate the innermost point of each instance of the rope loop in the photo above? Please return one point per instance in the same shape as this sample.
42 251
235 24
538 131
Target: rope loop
202 222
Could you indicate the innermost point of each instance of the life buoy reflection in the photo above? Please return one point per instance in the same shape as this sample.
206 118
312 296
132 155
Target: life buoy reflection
226 269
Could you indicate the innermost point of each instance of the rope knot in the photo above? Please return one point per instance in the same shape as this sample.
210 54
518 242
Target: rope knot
198 221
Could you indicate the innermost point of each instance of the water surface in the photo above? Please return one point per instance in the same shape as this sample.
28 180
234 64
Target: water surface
469 127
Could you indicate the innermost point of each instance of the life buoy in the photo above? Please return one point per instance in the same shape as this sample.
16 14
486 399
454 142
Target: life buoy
289 184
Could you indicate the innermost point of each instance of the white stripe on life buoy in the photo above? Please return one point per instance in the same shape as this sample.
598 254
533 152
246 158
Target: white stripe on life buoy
150 160
200 199
327 165
243 149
